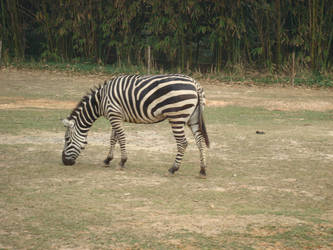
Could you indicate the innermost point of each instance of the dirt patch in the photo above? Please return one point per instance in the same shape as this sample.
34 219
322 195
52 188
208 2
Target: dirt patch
270 98
270 191
27 89
135 140
20 103
317 105
282 105
216 103
207 225
42 103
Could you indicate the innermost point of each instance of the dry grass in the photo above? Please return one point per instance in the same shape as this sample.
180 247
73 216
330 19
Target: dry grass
270 191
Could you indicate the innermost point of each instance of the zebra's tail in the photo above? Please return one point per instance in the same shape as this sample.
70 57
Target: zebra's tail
202 126
201 104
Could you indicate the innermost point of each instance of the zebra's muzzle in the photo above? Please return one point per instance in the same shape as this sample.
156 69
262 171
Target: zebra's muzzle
67 162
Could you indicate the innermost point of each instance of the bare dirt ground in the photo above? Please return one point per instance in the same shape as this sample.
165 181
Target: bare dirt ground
271 98
30 85
269 191
218 95
21 102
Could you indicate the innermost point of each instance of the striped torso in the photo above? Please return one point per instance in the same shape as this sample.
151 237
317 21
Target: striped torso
150 99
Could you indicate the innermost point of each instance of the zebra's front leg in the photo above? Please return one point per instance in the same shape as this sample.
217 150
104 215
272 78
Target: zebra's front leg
113 141
179 134
120 136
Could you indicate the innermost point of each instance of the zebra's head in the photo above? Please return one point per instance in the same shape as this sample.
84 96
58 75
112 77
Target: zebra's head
74 142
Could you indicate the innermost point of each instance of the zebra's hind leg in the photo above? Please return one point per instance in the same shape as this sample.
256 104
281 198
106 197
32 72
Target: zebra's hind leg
199 139
113 141
179 134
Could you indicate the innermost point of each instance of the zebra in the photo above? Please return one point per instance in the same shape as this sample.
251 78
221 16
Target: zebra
142 99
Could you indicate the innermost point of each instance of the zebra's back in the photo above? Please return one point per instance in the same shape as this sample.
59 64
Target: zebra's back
150 99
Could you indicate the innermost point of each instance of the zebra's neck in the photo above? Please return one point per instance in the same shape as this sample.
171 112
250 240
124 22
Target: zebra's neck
87 111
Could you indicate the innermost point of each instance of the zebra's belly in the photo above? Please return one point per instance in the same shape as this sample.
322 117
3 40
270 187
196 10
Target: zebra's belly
140 120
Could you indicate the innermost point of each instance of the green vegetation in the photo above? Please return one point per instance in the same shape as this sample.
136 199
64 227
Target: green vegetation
192 35
82 67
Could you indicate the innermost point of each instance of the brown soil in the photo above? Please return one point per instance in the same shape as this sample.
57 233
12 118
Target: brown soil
141 215
21 102
287 105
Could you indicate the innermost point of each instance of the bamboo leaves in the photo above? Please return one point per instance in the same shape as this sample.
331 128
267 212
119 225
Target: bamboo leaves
182 35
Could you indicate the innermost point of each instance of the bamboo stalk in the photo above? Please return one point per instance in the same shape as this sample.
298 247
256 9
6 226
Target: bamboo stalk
0 51
293 73
149 61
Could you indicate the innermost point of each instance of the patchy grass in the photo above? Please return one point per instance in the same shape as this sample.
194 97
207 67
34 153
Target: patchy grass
16 121
270 190
238 75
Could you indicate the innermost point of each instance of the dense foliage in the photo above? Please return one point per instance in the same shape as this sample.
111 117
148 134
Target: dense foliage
189 34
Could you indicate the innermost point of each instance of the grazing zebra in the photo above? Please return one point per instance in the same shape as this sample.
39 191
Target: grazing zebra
140 99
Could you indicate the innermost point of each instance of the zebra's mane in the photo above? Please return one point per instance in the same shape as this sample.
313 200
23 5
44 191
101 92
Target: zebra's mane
93 92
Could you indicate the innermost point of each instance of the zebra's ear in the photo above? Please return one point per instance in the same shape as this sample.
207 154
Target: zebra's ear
68 123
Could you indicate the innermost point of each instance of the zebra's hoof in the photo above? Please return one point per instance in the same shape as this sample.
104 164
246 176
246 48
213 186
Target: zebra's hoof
107 160
122 163
203 172
173 170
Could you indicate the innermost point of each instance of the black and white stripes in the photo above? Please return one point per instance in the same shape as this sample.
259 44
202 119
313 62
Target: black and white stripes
140 99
